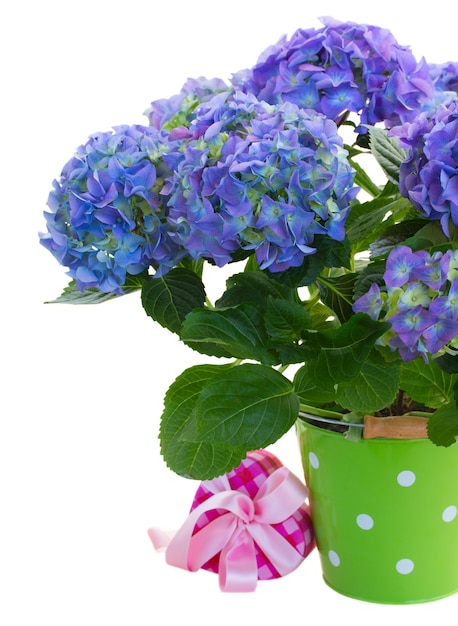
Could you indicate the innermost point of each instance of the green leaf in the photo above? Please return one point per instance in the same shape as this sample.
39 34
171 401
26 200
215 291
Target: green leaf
171 297
310 391
341 352
291 352
249 406
337 294
448 363
374 388
319 315
236 332
427 383
393 235
72 295
428 237
387 152
443 425
285 320
198 460
369 220
252 286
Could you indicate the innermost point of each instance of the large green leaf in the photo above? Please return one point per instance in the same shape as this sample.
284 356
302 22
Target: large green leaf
387 152
429 236
170 298
369 220
249 406
320 316
72 295
393 235
337 294
285 320
443 425
254 287
448 363
310 391
198 460
374 388
341 352
236 332
427 383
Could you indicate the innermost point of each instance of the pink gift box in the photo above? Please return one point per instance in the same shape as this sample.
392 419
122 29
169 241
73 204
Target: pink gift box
248 478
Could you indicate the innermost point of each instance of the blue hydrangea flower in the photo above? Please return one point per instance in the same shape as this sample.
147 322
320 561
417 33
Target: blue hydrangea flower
370 303
177 111
429 175
402 261
106 219
419 299
444 76
339 68
257 177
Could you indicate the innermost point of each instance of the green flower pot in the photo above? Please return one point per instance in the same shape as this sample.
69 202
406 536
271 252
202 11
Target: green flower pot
385 514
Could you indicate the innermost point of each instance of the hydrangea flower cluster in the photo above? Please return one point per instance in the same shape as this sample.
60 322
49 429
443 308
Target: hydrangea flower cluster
445 76
257 177
342 67
429 175
105 218
419 299
177 111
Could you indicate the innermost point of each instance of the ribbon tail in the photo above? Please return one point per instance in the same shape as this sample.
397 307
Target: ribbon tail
160 538
238 571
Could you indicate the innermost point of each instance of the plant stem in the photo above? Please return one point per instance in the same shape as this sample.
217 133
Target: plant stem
400 402
313 410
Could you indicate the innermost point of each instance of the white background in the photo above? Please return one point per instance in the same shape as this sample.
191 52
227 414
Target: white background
81 478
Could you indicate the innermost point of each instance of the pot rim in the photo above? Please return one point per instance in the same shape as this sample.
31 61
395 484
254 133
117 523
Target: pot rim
305 419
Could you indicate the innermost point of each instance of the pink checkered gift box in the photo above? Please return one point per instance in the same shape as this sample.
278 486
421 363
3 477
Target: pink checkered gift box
250 524
248 478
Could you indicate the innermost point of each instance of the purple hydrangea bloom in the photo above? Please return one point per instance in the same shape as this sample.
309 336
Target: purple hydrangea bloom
370 303
429 175
419 299
106 219
257 177
444 76
177 111
339 68
409 324
402 261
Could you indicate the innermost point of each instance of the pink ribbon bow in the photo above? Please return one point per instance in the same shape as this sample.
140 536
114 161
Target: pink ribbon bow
245 522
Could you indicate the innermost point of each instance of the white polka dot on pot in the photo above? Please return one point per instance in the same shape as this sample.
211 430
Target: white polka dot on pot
364 521
405 566
449 513
314 462
334 558
406 478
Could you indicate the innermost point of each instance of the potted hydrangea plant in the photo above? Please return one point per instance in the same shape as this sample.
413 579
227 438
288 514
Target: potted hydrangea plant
341 313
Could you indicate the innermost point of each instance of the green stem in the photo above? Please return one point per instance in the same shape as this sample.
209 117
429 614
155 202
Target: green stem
314 298
313 410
